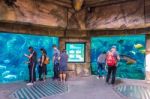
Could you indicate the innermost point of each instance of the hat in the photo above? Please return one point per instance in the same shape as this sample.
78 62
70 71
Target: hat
113 46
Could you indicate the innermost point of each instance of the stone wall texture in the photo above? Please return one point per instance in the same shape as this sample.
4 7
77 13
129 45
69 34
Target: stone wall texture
127 15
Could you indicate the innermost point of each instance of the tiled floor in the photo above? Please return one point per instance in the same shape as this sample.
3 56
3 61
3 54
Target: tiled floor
78 88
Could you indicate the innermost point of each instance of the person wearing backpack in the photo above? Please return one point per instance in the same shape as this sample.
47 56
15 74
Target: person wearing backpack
42 65
112 57
101 60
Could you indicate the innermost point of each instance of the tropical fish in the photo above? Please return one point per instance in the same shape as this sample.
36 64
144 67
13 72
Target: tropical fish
128 59
138 46
10 77
143 51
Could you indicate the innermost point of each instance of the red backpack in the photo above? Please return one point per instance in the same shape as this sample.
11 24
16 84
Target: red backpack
110 59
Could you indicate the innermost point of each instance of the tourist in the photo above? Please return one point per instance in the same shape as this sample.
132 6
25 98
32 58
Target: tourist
32 65
101 65
56 56
112 57
148 65
63 65
42 65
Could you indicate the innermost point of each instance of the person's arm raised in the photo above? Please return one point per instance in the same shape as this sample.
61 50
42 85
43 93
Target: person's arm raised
28 56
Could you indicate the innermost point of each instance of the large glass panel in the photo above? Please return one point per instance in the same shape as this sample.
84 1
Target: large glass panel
12 60
132 52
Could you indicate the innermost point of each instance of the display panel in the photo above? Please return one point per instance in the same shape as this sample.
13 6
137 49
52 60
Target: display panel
76 52
12 60
131 50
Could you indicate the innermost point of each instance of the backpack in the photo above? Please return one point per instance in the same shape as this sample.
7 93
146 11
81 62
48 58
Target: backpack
47 60
111 59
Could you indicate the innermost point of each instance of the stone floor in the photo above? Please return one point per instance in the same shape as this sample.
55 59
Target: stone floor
79 88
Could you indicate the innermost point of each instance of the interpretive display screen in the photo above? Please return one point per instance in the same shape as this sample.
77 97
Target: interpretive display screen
76 52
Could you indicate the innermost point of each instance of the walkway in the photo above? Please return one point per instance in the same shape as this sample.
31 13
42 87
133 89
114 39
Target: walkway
79 88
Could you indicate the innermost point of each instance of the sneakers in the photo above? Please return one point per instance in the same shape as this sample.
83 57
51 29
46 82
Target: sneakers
103 77
29 84
97 77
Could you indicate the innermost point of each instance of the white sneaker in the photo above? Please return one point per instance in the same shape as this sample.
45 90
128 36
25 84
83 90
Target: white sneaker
29 84
97 77
103 77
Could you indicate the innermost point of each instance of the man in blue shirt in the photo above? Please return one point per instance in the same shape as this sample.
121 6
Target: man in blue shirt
56 56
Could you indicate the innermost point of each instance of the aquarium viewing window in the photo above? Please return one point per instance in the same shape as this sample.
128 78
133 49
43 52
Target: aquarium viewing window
13 65
75 51
131 49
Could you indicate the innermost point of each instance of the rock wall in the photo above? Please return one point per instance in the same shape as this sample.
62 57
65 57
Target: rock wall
118 16
127 15
34 12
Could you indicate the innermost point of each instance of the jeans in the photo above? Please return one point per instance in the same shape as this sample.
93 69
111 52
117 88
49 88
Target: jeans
111 71
40 72
32 74
56 71
101 69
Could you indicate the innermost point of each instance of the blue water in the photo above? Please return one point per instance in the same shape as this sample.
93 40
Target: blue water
12 60
125 46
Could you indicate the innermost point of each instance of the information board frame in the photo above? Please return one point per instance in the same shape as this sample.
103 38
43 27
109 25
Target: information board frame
83 52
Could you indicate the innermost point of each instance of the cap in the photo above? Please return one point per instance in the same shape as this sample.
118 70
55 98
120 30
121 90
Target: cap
113 46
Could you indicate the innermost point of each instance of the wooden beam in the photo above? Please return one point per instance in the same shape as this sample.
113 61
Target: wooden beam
99 3
63 3
26 28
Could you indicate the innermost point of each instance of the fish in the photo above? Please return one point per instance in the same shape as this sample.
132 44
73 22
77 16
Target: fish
138 46
128 59
6 61
143 51
120 41
133 52
2 67
10 77
5 73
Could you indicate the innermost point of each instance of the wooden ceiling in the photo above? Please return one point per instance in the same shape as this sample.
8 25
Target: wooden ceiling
89 3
